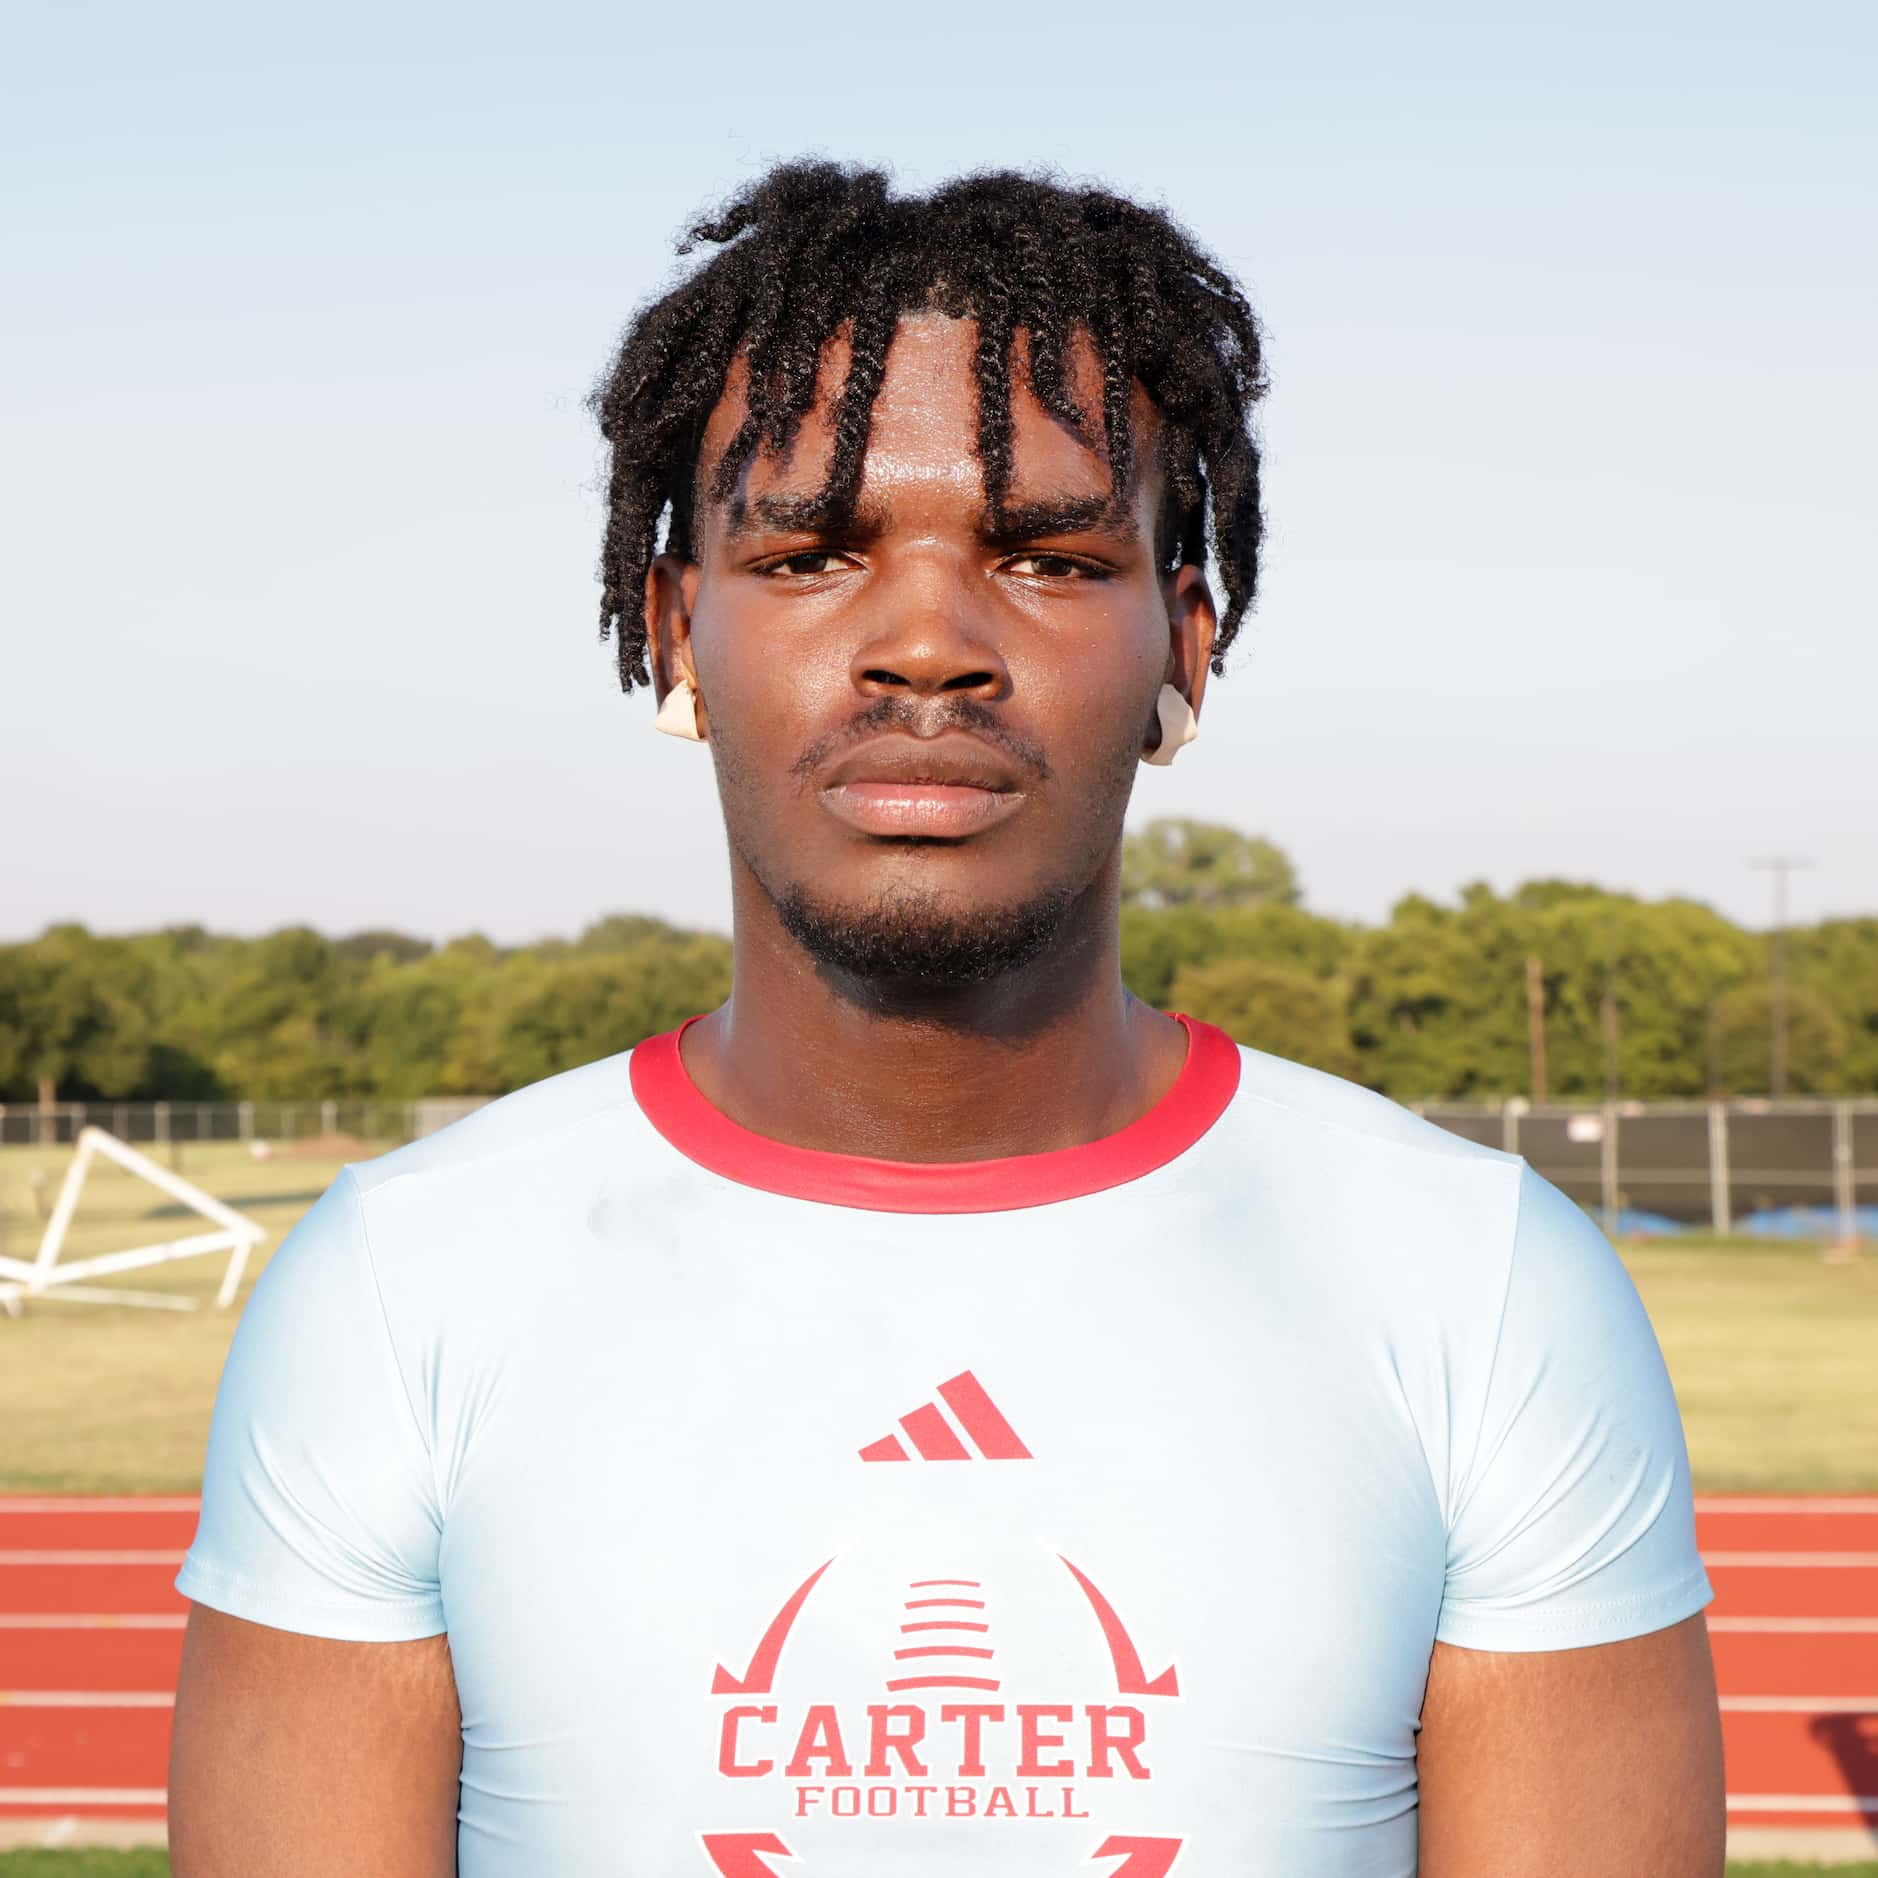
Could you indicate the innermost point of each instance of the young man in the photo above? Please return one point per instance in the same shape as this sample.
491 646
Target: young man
953 1418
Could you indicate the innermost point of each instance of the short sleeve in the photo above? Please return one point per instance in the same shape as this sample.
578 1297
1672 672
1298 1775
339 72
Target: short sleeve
319 1512
1575 1522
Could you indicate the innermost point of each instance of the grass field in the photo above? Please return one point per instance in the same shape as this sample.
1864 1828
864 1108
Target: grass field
1773 1350
101 1398
157 1865
1770 1345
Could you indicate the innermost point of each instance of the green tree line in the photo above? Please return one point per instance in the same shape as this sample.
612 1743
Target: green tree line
1433 1003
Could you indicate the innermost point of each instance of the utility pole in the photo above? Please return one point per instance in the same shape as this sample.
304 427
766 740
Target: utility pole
1609 1012
1535 1024
1780 867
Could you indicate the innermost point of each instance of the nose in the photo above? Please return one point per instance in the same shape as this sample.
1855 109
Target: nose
927 638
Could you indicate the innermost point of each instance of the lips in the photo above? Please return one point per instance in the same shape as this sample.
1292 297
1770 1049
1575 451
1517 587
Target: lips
939 788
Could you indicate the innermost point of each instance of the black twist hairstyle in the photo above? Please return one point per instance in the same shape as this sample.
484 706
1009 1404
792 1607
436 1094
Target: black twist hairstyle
814 248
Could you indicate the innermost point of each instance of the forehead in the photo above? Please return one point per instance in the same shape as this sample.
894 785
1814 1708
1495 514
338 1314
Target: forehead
922 436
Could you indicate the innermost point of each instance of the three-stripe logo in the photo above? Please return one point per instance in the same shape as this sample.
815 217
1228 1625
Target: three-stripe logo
936 1439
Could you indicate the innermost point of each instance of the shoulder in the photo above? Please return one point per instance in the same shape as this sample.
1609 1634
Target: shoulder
507 1188
1398 1220
1313 1105
544 1121
1308 1119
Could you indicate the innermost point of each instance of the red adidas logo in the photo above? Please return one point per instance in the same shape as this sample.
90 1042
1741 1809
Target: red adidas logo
936 1438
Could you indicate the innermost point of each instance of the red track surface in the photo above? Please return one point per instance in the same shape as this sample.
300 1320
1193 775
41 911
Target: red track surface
90 1635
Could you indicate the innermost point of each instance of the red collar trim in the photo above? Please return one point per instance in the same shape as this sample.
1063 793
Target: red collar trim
671 1102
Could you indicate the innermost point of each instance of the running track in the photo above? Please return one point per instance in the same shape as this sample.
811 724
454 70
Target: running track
91 1632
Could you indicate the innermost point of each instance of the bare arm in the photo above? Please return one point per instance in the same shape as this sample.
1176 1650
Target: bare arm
1602 1762
299 1757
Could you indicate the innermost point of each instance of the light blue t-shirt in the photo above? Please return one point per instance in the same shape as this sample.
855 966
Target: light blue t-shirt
1093 1511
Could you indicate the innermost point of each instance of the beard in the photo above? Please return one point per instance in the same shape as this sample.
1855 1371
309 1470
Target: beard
908 940
923 941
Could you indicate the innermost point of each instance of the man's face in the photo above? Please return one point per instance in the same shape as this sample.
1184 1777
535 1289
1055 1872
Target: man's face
926 730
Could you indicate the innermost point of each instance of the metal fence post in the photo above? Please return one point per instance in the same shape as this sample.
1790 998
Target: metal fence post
1844 1184
1780 1158
1720 1189
1608 1169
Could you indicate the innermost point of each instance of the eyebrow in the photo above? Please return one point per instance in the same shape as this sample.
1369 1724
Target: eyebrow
806 515
1019 522
1057 515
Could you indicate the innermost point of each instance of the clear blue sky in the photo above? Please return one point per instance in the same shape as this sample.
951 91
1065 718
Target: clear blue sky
1571 442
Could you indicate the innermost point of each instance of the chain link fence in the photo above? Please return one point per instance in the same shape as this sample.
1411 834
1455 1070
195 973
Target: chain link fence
1641 1166
1709 1165
172 1123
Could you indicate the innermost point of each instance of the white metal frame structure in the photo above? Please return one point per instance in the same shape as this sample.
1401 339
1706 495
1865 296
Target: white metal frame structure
235 1234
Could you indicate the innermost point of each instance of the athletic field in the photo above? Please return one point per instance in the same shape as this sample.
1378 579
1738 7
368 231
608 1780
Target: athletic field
105 1410
1770 1345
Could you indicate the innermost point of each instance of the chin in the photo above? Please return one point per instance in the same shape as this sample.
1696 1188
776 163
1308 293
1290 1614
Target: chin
918 938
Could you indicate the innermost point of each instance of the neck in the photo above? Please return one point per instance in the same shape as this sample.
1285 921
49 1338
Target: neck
1051 1055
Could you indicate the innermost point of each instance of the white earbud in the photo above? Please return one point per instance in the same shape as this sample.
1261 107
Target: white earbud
1179 726
678 715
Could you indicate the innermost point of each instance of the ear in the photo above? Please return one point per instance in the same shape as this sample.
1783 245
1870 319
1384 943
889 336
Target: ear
671 593
1192 622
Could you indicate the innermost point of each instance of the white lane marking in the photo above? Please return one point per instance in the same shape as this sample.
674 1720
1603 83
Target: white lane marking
1775 1503
102 1503
1748 1503
100 1620
83 1796
1799 1561
1803 1803
45 1828
92 1558
86 1698
1800 1704
1798 1626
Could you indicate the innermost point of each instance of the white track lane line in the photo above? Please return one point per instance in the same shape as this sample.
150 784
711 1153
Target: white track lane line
1793 1704
91 1558
92 1620
1866 1803
1748 1503
83 1796
86 1698
1797 1561
1797 1626
101 1503
192 1503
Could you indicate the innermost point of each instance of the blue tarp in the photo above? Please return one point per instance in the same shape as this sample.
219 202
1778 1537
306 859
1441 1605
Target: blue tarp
1807 1222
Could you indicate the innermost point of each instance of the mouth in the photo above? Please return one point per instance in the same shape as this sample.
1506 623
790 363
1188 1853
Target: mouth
934 789
936 811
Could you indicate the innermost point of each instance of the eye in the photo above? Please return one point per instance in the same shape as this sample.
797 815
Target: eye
805 563
1040 566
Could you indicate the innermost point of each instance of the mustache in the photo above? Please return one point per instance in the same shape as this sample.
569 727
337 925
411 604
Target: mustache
929 718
